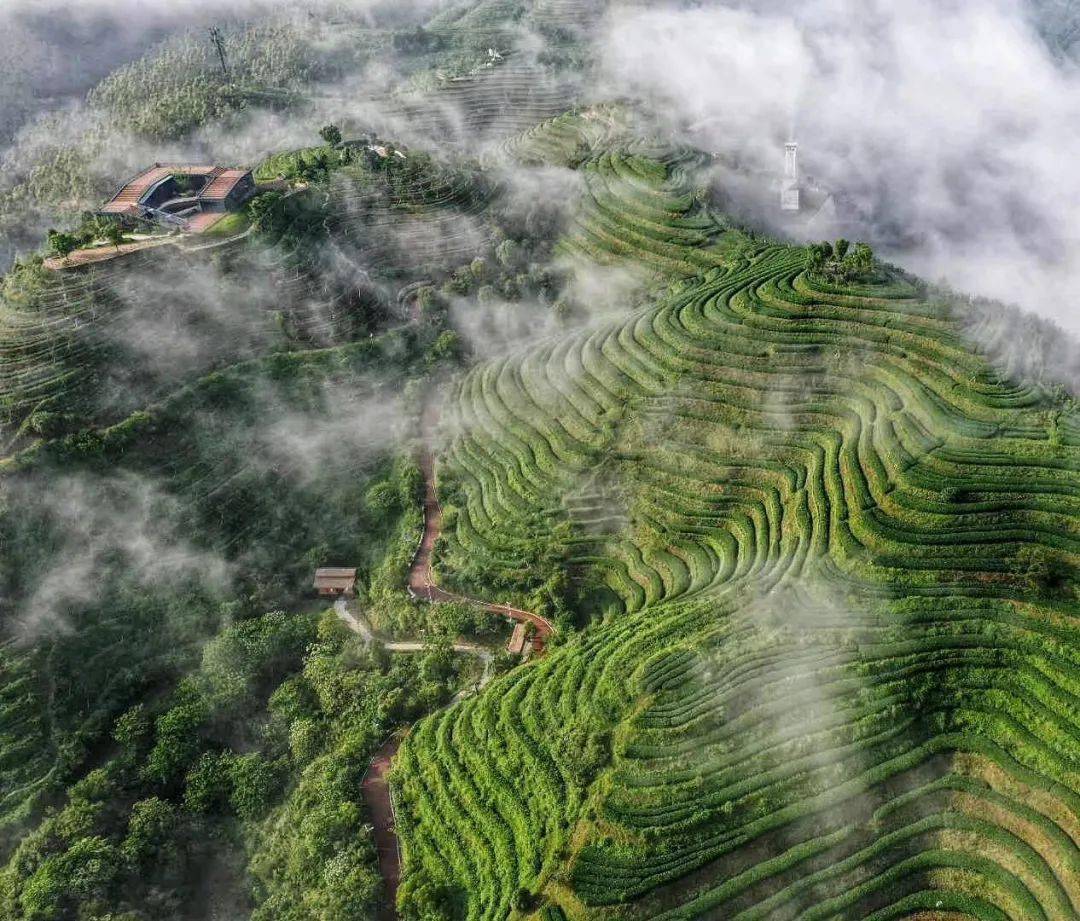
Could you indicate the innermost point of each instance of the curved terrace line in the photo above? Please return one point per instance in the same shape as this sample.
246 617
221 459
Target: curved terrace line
421 583
375 788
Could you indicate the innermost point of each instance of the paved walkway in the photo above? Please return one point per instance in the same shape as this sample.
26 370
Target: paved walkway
375 790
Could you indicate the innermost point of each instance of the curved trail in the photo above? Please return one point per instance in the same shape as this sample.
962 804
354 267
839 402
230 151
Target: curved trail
375 788
421 579
356 622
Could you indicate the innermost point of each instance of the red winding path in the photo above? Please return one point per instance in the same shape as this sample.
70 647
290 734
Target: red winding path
375 787
421 580
376 792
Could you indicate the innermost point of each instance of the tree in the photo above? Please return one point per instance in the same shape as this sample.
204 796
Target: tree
177 740
429 902
255 783
507 253
383 498
437 663
862 258
447 346
265 212
331 134
815 258
79 876
150 830
459 283
839 262
206 786
132 732
114 233
305 739
63 244
426 299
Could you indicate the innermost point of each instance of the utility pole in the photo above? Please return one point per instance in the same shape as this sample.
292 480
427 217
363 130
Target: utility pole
219 42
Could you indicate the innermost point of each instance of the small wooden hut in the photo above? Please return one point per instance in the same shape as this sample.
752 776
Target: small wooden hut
332 581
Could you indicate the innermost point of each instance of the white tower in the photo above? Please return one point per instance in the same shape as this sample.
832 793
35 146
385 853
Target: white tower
789 187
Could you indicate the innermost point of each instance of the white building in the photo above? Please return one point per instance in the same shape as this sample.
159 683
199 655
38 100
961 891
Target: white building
789 186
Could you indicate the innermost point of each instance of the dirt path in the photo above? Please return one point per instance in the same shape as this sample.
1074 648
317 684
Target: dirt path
421 579
103 253
375 790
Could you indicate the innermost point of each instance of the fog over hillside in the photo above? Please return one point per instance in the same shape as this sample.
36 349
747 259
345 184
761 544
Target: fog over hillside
460 477
52 52
950 124
64 144
950 138
1058 21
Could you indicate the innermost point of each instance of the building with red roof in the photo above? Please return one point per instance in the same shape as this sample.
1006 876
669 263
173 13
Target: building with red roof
188 197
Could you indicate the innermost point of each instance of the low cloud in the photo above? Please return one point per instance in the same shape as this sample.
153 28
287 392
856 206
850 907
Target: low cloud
951 123
344 426
99 526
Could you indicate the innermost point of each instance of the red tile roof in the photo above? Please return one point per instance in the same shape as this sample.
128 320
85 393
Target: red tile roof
130 194
221 184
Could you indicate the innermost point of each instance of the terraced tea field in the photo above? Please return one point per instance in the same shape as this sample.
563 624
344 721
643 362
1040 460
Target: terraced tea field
799 564
835 675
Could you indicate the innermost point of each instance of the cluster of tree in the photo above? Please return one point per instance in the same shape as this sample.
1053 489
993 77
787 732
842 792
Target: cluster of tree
284 519
418 41
510 270
331 134
91 230
261 750
251 765
180 85
288 220
316 164
135 834
839 262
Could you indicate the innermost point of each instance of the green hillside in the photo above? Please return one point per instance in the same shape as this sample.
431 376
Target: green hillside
790 562
835 676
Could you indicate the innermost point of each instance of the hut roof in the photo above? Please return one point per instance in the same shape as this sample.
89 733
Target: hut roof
331 577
